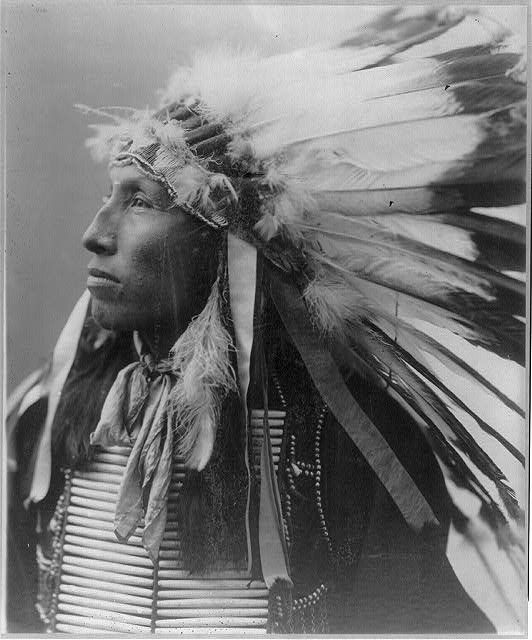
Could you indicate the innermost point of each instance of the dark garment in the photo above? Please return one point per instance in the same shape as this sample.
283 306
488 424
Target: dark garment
21 531
402 583
21 594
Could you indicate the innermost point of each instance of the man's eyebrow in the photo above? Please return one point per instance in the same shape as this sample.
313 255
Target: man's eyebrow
154 190
140 182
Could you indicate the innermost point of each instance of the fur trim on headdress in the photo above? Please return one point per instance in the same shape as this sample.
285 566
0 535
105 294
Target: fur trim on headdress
200 360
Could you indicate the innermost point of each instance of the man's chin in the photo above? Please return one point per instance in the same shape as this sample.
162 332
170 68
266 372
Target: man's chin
111 318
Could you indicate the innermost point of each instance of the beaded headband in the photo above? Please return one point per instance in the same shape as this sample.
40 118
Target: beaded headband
177 147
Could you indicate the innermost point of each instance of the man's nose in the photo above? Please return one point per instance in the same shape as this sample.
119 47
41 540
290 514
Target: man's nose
100 237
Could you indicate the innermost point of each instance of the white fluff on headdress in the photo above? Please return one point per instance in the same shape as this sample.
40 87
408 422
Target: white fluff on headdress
287 210
334 305
225 82
139 129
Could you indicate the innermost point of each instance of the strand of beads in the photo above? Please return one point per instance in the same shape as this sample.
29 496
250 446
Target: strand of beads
280 393
44 589
59 524
317 478
307 469
288 500
303 602
288 511
290 479
310 614
310 609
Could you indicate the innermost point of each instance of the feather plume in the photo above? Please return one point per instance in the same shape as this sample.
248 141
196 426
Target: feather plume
333 305
200 360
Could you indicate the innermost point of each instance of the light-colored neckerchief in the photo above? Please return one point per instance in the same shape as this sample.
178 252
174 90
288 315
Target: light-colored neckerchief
135 413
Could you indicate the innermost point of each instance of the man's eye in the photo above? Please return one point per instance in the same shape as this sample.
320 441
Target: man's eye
141 202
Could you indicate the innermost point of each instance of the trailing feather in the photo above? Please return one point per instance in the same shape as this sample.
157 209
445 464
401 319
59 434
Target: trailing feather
419 395
200 360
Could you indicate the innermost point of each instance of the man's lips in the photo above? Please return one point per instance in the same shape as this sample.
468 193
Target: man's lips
97 274
102 284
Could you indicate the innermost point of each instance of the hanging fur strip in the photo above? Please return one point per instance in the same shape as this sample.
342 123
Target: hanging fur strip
200 360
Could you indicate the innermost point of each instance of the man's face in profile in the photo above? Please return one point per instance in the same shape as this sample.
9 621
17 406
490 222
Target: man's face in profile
147 257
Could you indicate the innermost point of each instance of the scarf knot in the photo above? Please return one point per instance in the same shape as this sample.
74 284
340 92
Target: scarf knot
152 368
135 414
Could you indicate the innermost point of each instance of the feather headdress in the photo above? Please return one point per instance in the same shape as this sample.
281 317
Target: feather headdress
380 178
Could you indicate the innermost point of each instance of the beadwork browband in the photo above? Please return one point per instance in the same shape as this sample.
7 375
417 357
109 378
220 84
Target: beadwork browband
177 147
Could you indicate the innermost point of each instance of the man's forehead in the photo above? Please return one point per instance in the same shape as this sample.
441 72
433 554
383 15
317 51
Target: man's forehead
129 173
129 177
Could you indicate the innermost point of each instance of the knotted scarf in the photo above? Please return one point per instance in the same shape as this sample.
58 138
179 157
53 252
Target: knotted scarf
134 414
213 502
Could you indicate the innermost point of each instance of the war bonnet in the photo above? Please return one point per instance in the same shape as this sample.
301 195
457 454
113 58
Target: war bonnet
362 188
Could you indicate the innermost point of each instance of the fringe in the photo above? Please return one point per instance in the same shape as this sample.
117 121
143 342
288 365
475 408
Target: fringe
280 608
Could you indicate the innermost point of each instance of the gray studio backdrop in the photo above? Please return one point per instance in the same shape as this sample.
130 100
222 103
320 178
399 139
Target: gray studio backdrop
57 54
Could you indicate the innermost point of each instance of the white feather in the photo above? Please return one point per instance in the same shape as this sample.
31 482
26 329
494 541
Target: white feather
426 231
200 361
